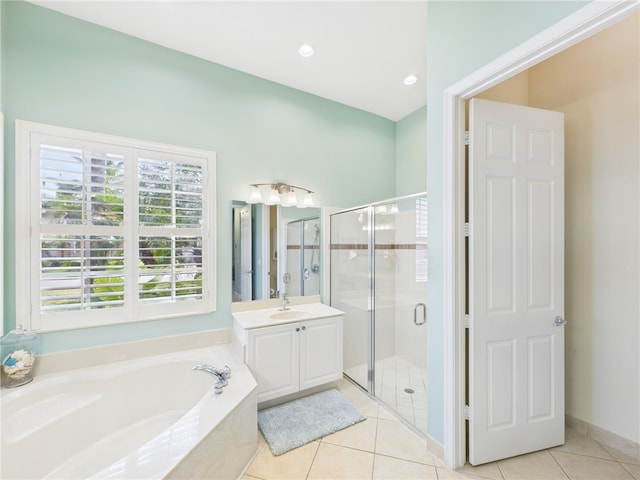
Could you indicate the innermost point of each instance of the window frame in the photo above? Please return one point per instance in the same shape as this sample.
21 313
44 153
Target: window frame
28 226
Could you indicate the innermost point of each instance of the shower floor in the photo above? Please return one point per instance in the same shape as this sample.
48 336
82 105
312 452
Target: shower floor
394 378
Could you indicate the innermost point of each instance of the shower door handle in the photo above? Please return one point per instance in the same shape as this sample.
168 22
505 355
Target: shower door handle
424 314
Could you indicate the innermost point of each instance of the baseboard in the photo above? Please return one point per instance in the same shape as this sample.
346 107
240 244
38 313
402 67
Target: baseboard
293 396
610 439
435 448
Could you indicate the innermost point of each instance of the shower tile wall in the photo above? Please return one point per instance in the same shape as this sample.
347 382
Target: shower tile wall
308 253
293 258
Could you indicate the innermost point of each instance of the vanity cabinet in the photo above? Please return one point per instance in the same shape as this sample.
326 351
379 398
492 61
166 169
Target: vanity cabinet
291 357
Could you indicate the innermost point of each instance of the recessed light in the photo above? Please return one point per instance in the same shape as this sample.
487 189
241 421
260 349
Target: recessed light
410 80
306 50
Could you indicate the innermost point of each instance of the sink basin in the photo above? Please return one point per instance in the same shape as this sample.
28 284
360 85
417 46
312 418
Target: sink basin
288 315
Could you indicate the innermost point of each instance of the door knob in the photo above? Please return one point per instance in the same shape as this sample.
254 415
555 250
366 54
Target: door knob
559 321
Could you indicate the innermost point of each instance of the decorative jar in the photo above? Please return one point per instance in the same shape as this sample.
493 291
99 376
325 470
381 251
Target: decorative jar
18 353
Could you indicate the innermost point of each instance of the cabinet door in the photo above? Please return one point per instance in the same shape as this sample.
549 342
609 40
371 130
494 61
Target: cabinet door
272 356
320 351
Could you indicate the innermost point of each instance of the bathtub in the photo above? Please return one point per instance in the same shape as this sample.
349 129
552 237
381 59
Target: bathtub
148 418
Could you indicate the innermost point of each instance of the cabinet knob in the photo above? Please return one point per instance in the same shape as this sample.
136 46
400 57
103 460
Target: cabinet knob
297 329
304 328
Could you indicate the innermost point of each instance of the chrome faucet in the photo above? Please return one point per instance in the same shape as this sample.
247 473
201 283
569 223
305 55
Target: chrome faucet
285 301
222 375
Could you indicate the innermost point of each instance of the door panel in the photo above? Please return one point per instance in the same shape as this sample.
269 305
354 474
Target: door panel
500 269
273 355
516 280
320 352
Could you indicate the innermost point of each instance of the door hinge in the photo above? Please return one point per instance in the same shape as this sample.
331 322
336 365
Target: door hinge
467 229
467 412
467 137
467 321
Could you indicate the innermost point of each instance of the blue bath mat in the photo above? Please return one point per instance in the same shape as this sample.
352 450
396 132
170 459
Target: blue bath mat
296 423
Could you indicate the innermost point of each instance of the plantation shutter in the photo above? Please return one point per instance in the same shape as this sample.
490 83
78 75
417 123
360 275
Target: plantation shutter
81 236
170 216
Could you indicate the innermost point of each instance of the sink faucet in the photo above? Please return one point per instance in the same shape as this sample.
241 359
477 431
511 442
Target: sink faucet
222 375
285 301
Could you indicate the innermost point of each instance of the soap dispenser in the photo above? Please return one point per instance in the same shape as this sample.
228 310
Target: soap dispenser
18 353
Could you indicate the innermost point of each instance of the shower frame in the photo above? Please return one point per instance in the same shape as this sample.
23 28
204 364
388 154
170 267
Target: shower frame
371 283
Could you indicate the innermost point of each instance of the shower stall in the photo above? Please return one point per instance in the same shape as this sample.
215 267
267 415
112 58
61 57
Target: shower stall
302 270
379 279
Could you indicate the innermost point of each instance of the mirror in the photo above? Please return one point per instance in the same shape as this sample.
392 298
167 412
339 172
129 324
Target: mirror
269 242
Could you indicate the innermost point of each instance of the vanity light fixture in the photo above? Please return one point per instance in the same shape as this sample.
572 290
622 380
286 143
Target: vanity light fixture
306 50
410 80
280 194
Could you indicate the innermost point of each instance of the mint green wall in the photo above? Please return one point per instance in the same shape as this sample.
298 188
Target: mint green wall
63 71
411 153
463 36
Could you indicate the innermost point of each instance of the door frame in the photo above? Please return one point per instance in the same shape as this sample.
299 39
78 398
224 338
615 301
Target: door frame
571 30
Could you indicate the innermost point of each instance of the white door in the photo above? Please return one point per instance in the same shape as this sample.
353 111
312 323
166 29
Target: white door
516 280
246 260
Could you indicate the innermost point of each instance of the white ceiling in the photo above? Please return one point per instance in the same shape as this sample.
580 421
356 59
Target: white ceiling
364 48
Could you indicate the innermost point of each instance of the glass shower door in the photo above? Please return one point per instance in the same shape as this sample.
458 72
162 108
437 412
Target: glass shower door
400 292
379 279
350 289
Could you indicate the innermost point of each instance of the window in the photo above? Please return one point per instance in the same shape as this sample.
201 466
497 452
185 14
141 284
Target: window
119 230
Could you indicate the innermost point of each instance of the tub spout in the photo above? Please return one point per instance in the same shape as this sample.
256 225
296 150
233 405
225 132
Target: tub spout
222 375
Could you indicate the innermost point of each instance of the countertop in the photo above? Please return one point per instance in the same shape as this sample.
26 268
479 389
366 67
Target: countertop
276 316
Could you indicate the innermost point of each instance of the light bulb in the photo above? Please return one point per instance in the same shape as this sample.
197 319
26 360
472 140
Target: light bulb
274 197
254 196
410 80
306 50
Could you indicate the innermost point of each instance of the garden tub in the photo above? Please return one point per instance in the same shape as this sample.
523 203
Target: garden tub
148 418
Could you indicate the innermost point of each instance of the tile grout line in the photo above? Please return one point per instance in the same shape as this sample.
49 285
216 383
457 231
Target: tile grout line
558 449
315 454
608 448
566 474
612 460
500 470
624 465
375 439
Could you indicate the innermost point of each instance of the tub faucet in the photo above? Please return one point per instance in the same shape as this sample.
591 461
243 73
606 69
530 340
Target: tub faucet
222 375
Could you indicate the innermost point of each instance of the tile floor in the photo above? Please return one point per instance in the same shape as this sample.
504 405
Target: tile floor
384 448
393 376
